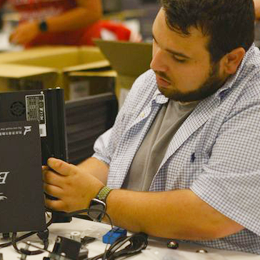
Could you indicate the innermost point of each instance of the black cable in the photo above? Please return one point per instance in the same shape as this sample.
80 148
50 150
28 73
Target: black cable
14 242
43 235
17 240
137 242
76 213
85 217
27 251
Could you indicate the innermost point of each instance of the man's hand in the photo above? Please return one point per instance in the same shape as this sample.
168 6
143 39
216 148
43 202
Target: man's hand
73 187
24 33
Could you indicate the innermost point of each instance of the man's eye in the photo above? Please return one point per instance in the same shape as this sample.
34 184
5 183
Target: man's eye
179 59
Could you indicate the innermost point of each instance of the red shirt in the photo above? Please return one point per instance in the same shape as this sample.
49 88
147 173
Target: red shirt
41 9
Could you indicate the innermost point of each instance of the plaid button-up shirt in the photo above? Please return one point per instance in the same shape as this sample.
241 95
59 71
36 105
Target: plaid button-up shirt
215 153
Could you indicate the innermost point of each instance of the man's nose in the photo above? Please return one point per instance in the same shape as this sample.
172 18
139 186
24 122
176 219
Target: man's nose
158 62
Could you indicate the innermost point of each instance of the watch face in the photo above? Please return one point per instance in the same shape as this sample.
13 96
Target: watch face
97 209
43 26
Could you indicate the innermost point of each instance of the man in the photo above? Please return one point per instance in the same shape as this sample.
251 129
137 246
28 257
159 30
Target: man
182 160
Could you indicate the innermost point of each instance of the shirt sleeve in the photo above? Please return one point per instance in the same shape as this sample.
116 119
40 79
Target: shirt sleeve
106 144
230 180
101 145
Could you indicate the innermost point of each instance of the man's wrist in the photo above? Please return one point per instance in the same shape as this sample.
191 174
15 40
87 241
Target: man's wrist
43 26
97 206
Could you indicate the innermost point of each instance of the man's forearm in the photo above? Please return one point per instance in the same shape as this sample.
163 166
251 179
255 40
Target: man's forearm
96 168
72 20
175 214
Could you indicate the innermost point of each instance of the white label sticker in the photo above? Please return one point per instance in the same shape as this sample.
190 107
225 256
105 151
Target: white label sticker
35 110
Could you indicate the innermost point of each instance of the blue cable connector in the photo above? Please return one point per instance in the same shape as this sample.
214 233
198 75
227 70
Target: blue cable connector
111 236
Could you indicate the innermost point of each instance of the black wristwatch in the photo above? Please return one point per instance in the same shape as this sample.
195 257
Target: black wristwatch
43 26
97 206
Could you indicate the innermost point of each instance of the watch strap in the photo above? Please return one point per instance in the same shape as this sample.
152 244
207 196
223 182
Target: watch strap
103 193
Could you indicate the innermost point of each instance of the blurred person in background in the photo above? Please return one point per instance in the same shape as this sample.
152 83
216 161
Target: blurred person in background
61 22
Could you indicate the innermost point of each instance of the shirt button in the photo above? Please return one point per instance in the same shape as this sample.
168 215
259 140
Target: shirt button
142 115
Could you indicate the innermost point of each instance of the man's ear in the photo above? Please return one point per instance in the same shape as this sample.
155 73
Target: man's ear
231 61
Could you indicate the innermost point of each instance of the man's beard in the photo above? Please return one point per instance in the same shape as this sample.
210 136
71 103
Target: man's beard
206 89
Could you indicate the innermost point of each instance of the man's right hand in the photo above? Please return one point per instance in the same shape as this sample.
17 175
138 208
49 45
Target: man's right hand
72 187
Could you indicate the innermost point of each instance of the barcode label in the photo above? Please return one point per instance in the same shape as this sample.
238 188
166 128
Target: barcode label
35 110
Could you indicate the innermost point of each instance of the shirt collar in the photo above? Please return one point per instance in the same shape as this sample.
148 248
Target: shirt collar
232 79
159 98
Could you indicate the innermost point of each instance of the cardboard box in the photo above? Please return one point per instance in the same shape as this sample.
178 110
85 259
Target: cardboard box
97 79
83 80
45 67
21 57
17 77
129 60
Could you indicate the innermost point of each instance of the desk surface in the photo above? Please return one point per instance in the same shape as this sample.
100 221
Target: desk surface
156 249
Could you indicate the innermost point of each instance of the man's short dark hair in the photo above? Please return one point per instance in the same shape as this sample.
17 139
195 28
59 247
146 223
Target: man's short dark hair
228 23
